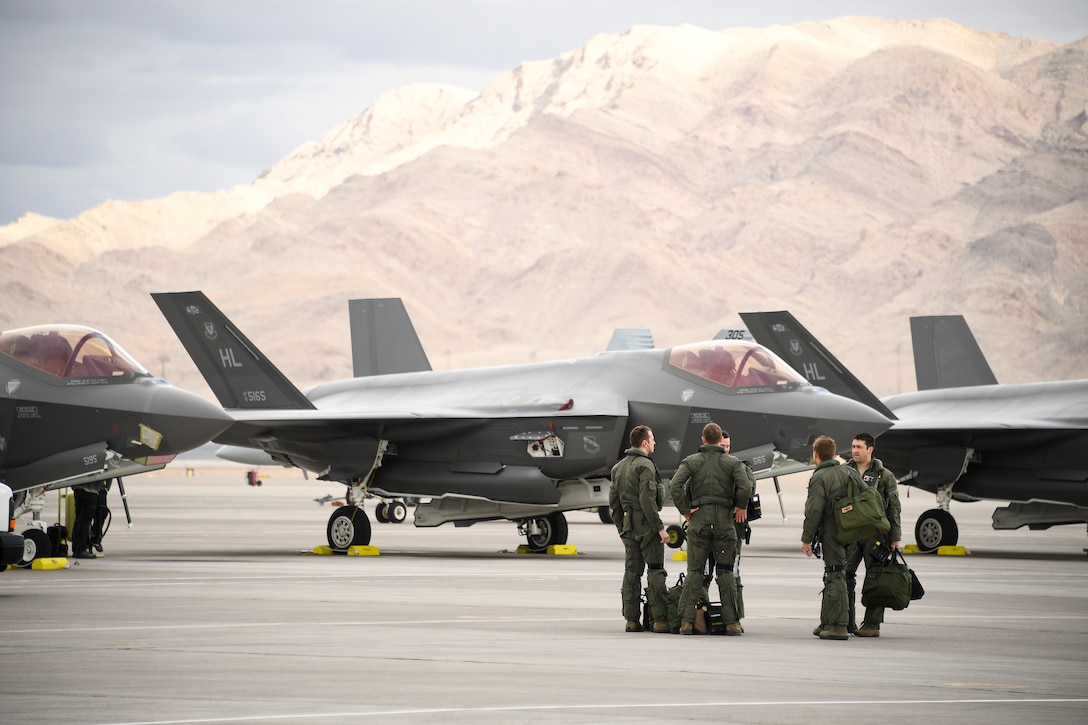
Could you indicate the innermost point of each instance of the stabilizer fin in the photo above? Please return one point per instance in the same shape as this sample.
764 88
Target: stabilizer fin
946 354
781 333
237 372
383 338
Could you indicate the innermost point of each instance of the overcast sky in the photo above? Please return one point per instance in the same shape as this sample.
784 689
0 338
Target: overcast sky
136 99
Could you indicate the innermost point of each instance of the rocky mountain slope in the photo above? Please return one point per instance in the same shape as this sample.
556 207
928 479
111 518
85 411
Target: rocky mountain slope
855 172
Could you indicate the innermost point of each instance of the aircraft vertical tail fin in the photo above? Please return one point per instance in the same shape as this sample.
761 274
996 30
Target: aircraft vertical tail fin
781 333
383 338
237 372
946 354
630 338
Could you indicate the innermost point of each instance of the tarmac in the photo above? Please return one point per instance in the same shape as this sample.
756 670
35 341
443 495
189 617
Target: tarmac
211 608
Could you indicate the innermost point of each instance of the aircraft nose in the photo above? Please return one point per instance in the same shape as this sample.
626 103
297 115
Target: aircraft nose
185 420
842 419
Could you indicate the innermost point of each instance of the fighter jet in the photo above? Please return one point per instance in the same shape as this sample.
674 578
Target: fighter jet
75 408
962 435
517 442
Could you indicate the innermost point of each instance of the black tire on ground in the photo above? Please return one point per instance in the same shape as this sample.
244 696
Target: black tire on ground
553 531
396 512
605 515
36 545
381 512
348 526
935 528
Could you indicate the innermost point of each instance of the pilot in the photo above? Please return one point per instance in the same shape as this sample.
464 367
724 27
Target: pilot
828 484
711 490
742 534
635 500
872 550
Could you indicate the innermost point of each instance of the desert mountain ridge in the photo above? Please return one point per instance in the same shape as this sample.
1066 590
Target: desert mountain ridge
856 172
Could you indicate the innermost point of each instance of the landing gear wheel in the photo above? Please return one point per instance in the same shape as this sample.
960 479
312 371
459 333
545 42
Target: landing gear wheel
396 512
381 513
348 526
935 528
604 514
36 545
677 535
552 531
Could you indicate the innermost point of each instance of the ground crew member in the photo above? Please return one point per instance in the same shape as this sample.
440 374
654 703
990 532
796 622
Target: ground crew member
711 491
826 486
86 502
872 550
635 500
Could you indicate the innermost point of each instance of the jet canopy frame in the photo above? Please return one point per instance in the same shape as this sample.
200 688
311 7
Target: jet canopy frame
734 364
69 351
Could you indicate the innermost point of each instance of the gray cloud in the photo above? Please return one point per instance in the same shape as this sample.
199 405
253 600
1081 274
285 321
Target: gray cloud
129 99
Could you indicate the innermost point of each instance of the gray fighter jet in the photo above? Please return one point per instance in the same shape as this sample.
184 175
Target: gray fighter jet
517 442
962 435
75 408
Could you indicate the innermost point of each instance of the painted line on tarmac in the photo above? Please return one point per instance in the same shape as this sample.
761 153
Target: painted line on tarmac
305 717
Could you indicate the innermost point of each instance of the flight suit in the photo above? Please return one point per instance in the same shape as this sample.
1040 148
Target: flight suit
883 480
827 485
713 482
635 500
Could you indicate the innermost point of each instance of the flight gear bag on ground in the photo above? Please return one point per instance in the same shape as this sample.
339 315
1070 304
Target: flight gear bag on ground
672 604
860 514
708 618
888 583
672 607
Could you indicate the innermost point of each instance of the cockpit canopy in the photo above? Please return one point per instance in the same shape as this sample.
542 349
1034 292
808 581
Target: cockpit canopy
69 351
735 364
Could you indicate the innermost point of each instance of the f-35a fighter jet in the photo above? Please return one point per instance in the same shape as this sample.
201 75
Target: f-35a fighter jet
76 408
517 442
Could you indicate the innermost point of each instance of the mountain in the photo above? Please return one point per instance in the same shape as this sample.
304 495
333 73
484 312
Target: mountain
855 172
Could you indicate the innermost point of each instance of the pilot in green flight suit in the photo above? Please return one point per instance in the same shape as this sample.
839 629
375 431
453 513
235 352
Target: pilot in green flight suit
711 489
828 484
873 474
635 500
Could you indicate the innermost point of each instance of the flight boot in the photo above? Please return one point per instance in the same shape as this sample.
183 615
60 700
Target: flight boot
687 628
835 631
868 630
633 626
661 626
734 630
820 628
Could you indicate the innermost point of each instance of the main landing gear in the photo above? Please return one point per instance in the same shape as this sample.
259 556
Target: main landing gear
935 528
544 531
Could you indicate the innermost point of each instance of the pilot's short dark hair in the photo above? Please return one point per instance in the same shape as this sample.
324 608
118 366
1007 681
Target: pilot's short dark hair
639 434
824 448
865 438
712 433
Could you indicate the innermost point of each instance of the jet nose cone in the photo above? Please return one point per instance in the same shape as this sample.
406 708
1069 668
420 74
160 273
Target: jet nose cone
185 420
844 418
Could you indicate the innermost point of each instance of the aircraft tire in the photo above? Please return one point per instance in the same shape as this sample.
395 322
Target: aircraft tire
553 531
36 544
381 512
396 512
604 514
935 528
348 526
677 535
